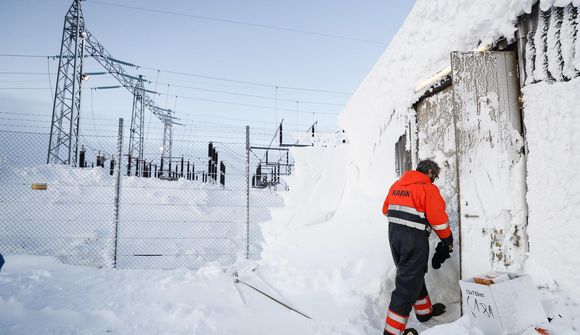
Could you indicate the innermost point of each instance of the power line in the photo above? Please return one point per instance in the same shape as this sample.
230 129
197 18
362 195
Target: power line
248 82
193 98
25 56
24 88
41 124
48 74
243 104
25 73
198 124
221 20
93 116
249 105
21 81
245 82
213 91
253 95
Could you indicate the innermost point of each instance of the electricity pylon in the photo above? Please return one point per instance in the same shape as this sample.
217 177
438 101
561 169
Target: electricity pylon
136 136
166 153
64 129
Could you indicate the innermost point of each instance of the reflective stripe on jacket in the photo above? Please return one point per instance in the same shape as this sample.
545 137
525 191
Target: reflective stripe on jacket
415 201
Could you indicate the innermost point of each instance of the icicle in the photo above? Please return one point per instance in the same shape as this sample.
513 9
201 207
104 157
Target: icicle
567 38
577 43
541 62
561 3
530 57
545 5
554 46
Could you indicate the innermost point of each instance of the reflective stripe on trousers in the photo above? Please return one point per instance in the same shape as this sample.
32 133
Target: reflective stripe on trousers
395 323
423 306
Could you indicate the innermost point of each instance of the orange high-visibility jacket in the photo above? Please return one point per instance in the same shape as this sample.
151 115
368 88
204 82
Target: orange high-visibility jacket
414 201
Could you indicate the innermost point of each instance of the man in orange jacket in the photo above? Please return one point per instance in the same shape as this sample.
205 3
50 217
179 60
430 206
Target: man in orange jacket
414 207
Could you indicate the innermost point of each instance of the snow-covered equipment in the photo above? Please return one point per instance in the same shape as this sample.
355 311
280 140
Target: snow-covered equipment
504 303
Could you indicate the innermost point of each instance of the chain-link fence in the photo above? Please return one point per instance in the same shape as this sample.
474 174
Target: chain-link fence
202 205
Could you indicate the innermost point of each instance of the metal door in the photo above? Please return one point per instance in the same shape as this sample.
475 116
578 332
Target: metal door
491 164
436 140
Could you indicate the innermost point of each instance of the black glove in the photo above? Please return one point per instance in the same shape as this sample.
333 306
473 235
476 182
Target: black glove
441 254
448 241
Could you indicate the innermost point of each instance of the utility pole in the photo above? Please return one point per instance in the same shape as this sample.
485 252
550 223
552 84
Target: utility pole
64 129
248 192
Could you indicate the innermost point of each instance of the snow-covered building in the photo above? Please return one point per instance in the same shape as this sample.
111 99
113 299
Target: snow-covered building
489 90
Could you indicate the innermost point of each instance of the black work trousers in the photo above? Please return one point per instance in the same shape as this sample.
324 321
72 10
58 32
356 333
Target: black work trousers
410 250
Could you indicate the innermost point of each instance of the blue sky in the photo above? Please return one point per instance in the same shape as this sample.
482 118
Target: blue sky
210 47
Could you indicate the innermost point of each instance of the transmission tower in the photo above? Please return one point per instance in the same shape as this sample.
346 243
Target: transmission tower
64 129
166 153
136 138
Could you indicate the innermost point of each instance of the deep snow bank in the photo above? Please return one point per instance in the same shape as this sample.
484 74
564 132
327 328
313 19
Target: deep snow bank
324 239
331 238
376 116
303 246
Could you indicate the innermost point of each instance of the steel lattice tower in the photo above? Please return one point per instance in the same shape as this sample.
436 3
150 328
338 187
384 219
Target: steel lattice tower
64 130
167 138
136 139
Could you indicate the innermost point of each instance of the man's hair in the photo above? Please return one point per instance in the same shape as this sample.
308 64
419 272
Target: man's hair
425 165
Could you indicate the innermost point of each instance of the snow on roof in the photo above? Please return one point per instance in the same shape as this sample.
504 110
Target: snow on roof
421 48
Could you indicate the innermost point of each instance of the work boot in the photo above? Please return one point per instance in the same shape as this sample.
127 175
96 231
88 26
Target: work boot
436 310
408 331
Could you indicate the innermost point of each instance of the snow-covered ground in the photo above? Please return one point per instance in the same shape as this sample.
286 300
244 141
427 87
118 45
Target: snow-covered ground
325 253
321 260
330 262
186 223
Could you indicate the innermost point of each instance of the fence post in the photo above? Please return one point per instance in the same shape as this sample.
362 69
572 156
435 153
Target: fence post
247 192
117 191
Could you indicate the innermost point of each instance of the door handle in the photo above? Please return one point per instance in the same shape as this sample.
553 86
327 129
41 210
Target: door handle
471 216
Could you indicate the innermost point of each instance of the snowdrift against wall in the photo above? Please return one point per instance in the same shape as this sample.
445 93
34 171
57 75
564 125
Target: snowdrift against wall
377 116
